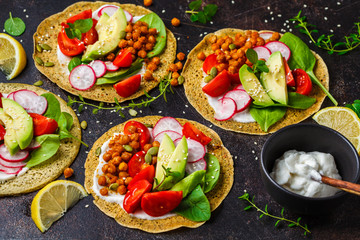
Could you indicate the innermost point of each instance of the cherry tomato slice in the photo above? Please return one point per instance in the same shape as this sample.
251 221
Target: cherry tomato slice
135 163
83 15
147 173
91 36
218 85
133 197
141 129
69 47
190 131
124 59
303 81
209 62
159 203
1 100
43 125
129 86
234 78
3 132
288 75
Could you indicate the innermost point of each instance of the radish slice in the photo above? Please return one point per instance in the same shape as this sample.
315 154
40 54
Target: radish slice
265 35
82 77
30 101
262 52
110 66
11 95
226 110
99 68
195 166
167 123
128 16
173 135
196 151
33 145
10 170
17 157
12 164
279 46
109 10
239 87
241 98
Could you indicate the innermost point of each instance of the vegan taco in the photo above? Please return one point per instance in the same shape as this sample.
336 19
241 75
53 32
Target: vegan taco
39 138
104 50
158 173
255 82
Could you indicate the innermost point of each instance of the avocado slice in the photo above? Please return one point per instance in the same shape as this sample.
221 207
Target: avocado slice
274 81
253 86
187 184
9 138
22 123
176 163
110 30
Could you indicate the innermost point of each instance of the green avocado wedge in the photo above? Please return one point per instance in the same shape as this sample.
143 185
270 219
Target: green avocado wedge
10 136
187 184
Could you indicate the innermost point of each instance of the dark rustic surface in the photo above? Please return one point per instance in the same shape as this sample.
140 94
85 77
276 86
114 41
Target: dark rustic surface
229 221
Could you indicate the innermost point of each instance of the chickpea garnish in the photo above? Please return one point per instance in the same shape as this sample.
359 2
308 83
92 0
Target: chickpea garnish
68 172
175 22
147 3
201 56
180 56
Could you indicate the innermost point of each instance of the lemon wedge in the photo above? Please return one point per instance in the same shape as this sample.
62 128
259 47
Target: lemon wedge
12 56
342 119
51 202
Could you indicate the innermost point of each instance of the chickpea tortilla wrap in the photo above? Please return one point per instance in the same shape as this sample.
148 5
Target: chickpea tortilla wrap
47 33
114 210
194 78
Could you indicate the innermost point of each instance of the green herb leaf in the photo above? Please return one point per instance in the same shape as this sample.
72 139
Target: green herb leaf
247 208
266 117
80 26
195 5
210 10
53 110
252 55
14 26
50 143
204 16
74 62
194 17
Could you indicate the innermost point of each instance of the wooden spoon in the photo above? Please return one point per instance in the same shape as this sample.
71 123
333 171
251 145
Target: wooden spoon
343 185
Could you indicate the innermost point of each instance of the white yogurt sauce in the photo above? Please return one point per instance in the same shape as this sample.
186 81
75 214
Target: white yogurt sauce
4 177
63 60
299 172
115 197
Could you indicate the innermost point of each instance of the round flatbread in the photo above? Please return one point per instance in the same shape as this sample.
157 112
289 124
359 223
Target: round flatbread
193 75
48 30
215 197
40 175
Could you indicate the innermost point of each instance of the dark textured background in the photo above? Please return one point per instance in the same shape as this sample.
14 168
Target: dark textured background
229 221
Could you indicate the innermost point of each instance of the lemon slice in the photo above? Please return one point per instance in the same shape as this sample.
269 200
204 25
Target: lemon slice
12 56
51 202
343 120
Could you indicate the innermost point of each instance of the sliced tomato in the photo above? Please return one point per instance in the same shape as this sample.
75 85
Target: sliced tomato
83 15
1 100
234 78
124 59
157 204
136 162
209 62
190 131
2 132
132 199
43 125
288 75
91 36
129 86
218 85
303 81
147 173
141 129
69 47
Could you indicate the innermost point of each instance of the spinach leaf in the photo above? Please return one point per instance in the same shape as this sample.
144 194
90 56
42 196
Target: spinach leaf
212 172
74 62
154 21
302 57
50 144
65 122
295 100
69 120
267 116
80 26
53 110
14 26
195 206
355 106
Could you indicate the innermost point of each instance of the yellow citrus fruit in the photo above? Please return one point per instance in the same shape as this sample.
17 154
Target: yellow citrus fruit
342 119
51 202
12 56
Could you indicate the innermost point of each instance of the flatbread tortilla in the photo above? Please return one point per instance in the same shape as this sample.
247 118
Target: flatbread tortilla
40 175
48 30
215 197
193 75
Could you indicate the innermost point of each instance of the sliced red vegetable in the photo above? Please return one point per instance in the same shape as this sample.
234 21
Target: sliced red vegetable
147 173
195 166
99 67
157 204
218 85
2 132
83 15
30 101
133 197
17 157
288 75
109 10
129 86
1 100
275 46
135 163
241 98
240 87
196 151
33 145
165 124
190 131
82 77
141 129
11 95
91 36
123 59
234 78
209 62
262 52
173 135
43 125
303 81
110 66
10 171
226 110
9 164
69 47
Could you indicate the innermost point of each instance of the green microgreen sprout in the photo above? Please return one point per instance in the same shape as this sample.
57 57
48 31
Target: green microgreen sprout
258 65
203 16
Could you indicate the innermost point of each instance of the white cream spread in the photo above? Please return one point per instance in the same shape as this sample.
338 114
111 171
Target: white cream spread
115 197
63 60
4 177
299 172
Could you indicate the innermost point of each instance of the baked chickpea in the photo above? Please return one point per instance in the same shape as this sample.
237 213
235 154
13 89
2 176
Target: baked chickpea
142 39
68 172
201 56
134 137
254 34
152 67
111 169
213 39
124 139
221 58
123 167
135 144
102 181
130 43
156 144
115 154
151 39
229 40
173 67
129 28
113 180
154 160
149 46
144 30
122 188
174 82
109 175
220 41
123 174
248 45
104 191
175 75
126 156
152 31
155 60
275 36
179 65
128 180
232 69
180 56
253 41
221 67
119 149
107 157
238 36
104 168
132 50
248 33
110 57
175 22
116 160
215 46
137 45
120 181
218 52
260 41
147 147
148 76
142 54
128 36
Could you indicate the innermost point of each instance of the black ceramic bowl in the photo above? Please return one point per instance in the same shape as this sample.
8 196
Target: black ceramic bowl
308 137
